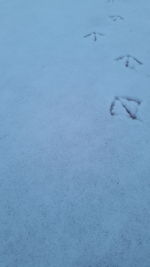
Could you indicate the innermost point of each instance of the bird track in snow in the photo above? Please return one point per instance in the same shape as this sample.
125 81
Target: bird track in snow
116 17
129 61
120 99
94 35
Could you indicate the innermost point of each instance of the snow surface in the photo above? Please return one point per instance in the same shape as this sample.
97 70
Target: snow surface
74 179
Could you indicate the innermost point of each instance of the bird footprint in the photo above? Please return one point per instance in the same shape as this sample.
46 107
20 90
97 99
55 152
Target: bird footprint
126 104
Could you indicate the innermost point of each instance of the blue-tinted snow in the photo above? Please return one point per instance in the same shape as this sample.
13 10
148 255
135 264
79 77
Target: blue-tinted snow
74 180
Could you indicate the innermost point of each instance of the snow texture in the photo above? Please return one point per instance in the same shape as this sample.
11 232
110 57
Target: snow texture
74 133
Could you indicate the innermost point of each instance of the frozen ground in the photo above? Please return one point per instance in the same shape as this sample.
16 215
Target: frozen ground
74 133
